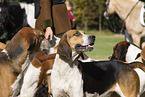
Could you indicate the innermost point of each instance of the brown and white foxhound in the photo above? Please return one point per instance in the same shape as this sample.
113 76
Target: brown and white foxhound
39 70
37 74
66 78
22 46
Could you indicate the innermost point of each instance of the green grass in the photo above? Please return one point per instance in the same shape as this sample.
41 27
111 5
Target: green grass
105 41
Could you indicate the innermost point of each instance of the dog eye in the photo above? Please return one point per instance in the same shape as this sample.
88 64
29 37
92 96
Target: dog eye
77 34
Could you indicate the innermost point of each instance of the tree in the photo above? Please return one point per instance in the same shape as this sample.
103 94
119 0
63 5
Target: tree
101 9
89 13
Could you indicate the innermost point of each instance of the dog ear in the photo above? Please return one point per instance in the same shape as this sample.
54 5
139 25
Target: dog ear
121 50
64 49
33 43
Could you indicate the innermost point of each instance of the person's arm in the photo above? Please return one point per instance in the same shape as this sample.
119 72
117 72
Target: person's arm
48 33
47 18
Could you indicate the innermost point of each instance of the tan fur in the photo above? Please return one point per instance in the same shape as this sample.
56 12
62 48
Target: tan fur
46 63
2 45
113 87
132 22
141 66
16 52
128 82
143 53
133 79
138 65
72 41
42 65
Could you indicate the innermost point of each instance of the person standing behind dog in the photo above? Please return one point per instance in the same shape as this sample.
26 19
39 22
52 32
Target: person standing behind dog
69 6
52 17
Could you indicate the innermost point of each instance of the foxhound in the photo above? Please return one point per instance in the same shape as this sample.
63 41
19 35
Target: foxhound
101 78
126 51
37 74
39 70
22 46
66 78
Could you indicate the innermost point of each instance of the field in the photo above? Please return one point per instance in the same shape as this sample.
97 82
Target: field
105 41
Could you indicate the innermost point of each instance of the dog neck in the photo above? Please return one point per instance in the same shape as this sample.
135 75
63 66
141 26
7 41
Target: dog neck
18 83
75 56
71 61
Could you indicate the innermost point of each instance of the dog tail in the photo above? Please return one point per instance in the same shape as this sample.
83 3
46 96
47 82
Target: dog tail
140 65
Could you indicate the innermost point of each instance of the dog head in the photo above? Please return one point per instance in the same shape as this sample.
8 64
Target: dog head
125 51
120 50
26 41
47 46
75 41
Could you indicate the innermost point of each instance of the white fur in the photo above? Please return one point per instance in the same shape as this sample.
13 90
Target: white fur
30 82
29 8
118 90
141 75
92 95
85 39
132 53
66 80
31 78
142 16
107 93
49 72
52 50
89 60
4 51
18 83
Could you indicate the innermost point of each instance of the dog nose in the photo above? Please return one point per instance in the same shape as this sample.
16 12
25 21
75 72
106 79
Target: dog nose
92 37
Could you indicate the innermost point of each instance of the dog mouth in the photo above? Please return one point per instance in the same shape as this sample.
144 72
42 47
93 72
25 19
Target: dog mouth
84 48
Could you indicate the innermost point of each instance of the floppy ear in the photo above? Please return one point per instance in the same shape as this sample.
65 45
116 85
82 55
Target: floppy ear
64 49
121 50
34 44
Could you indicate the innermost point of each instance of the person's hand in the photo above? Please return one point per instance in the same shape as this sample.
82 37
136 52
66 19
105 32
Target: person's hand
48 33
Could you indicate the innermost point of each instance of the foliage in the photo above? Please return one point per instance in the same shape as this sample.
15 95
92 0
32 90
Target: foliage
28 1
12 0
87 12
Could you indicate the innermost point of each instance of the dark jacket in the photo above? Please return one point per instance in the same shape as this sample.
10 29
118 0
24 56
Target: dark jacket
58 2
53 15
